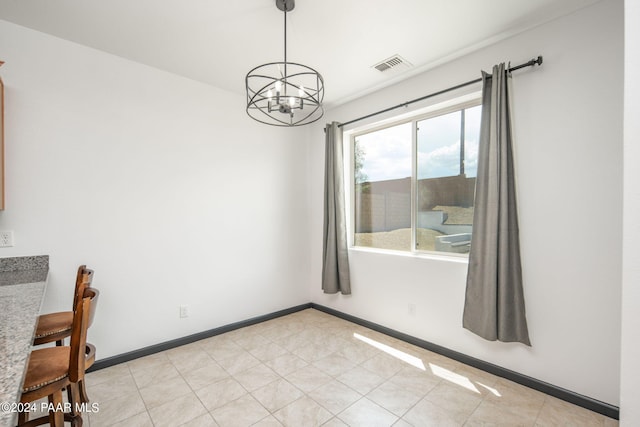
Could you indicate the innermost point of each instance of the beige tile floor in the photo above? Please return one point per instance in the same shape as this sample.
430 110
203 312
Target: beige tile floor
310 368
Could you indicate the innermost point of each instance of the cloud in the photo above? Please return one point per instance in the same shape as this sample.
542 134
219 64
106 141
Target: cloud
442 161
471 158
387 153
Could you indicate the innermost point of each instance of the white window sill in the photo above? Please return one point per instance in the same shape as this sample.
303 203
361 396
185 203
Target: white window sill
436 256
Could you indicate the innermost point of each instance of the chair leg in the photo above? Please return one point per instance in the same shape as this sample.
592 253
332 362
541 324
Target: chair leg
24 421
74 416
56 417
77 397
23 417
84 397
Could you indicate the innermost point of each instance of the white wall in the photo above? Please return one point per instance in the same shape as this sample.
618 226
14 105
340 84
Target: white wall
630 369
568 133
161 184
164 187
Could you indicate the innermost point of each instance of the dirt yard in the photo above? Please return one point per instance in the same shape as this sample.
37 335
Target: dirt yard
399 240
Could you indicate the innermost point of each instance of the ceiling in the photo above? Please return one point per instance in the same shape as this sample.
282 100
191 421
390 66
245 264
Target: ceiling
218 42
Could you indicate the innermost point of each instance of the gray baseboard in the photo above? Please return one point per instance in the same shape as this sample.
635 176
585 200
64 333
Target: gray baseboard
544 387
167 345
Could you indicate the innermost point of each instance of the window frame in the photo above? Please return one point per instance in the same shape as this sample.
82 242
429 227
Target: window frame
456 104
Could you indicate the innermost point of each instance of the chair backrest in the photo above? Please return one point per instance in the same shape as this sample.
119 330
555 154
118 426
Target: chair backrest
84 277
93 293
82 317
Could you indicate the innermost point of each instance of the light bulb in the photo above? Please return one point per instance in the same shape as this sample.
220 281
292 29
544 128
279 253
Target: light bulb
292 101
278 86
269 94
301 91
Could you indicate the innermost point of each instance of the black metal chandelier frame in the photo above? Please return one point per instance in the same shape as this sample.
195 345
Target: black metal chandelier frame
284 93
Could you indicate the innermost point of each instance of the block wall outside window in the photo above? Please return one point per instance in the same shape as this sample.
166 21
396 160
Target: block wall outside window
414 182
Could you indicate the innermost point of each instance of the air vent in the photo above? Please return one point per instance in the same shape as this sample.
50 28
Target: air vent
395 62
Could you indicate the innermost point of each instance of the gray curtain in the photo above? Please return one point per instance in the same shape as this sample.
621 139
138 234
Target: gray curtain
335 261
494 302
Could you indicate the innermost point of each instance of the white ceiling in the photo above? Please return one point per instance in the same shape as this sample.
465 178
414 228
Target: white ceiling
218 42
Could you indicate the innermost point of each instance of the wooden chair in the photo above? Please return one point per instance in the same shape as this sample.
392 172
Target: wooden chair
57 326
52 369
79 395
89 357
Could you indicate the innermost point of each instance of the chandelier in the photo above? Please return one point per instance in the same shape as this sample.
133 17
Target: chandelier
284 93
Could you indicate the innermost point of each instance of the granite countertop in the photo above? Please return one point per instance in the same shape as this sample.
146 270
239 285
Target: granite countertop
22 287
9 278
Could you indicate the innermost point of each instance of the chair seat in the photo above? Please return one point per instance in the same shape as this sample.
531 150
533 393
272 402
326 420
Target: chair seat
55 327
54 323
46 366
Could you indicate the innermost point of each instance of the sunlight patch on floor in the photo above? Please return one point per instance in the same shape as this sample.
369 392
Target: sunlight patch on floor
491 389
453 377
407 358
439 371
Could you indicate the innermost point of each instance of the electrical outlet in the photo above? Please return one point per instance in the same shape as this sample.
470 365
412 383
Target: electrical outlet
6 239
184 311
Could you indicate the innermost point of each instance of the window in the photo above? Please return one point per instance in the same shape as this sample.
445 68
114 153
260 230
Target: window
414 182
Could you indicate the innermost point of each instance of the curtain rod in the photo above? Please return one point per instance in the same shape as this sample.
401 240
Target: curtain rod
531 63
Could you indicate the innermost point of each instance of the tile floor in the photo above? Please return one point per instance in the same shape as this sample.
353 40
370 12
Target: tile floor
308 369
